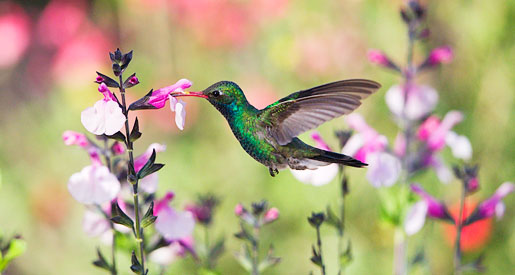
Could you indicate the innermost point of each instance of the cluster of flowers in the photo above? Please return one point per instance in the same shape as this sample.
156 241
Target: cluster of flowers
104 186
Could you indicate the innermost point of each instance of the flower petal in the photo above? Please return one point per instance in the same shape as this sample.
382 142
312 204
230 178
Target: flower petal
93 185
174 225
180 114
320 176
460 145
383 170
415 218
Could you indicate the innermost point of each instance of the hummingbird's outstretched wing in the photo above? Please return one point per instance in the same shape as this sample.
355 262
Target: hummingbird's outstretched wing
307 109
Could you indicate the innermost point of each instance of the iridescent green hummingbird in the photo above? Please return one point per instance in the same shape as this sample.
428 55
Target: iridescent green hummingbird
270 135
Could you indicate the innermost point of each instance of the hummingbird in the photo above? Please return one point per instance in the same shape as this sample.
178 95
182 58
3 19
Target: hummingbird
270 135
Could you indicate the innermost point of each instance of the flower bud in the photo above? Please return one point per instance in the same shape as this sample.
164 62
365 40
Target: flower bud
271 215
380 58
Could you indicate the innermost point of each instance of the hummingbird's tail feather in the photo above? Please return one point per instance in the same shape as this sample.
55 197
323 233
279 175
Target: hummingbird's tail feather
332 157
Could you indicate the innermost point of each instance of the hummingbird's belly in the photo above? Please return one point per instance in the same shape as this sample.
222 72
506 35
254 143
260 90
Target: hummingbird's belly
261 150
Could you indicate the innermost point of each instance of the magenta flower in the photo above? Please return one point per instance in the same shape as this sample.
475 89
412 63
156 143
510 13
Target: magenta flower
159 97
75 138
133 80
441 55
239 210
94 185
493 205
15 32
429 206
106 116
118 148
421 100
271 215
321 175
365 142
378 57
172 224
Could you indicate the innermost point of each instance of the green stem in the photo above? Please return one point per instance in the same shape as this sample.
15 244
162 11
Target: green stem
255 252
400 244
113 246
206 246
459 226
132 178
319 244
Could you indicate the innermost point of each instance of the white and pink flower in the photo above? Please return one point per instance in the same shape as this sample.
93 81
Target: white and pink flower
106 116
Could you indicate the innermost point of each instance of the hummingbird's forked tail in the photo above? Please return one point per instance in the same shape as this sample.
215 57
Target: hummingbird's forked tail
332 157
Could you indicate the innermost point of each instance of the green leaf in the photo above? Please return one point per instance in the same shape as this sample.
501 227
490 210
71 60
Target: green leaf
269 261
135 133
346 256
333 220
119 217
149 166
149 217
101 261
16 248
117 136
244 258
135 265
216 250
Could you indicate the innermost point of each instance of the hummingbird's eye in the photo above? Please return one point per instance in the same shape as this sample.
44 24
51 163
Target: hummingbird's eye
216 93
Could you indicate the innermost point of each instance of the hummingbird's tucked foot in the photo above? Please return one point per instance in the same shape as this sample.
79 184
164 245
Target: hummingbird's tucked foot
272 171
270 135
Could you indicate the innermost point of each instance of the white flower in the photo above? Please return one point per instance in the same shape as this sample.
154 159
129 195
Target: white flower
105 117
167 254
415 218
421 100
460 145
317 177
179 107
94 185
174 225
383 169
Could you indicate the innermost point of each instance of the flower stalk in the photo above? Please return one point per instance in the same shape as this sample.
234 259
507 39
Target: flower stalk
459 227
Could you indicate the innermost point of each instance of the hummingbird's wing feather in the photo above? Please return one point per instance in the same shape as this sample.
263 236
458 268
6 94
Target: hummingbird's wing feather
307 109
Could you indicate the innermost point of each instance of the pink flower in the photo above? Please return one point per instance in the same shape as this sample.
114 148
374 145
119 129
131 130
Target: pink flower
321 175
383 169
271 215
118 148
399 146
133 80
94 185
493 205
436 139
75 138
172 224
378 57
472 184
15 33
439 55
105 117
365 142
159 97
428 206
421 100
239 210
60 21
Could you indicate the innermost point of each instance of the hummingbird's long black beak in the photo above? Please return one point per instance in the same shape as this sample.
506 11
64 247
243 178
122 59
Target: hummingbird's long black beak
196 94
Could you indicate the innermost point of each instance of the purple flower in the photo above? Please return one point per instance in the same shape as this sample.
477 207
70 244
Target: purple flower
429 206
493 205
172 224
421 100
321 175
106 116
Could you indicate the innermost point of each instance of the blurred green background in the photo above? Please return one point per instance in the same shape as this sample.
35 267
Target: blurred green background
271 48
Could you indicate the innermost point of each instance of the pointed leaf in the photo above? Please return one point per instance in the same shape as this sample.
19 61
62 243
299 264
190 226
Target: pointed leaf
135 133
333 220
136 266
109 81
142 103
126 60
150 167
149 217
101 261
216 251
117 136
119 217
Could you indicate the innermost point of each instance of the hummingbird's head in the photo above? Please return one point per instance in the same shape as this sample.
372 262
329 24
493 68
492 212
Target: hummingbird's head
226 96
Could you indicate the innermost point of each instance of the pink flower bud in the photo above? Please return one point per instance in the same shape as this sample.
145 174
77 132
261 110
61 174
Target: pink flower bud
380 58
472 184
440 55
134 80
99 79
75 138
271 215
428 127
239 210
108 96
118 148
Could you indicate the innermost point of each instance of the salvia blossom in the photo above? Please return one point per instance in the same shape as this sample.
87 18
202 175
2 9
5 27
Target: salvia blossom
440 55
157 100
322 175
271 215
370 147
150 182
75 138
378 57
421 100
94 185
493 205
429 206
118 148
172 224
203 209
106 116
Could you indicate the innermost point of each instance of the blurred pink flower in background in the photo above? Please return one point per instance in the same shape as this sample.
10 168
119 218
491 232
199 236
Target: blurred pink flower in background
94 185
321 175
493 205
15 32
421 100
172 224
105 117
75 138
271 215
60 21
441 55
